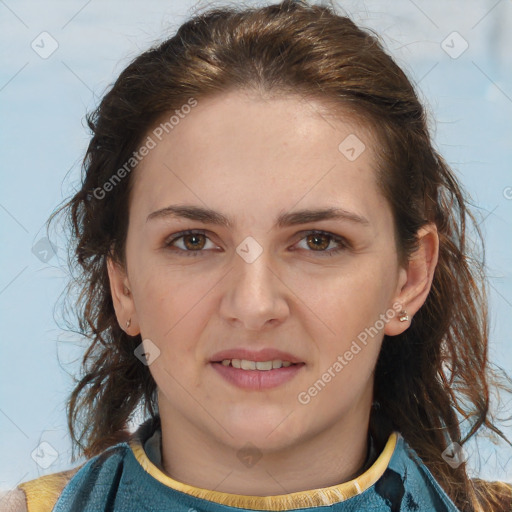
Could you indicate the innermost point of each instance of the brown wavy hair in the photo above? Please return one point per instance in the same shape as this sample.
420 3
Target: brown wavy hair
433 381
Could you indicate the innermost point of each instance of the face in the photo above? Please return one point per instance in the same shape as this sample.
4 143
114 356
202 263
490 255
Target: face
304 289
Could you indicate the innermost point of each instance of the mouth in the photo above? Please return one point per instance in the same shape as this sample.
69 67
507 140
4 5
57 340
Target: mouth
245 364
256 375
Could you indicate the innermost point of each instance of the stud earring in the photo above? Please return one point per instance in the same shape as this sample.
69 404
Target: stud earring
128 323
403 316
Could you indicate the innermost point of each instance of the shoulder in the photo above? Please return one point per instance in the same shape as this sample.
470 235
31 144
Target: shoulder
496 496
13 501
101 471
41 494
38 495
415 483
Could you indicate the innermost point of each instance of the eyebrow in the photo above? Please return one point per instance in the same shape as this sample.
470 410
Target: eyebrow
208 216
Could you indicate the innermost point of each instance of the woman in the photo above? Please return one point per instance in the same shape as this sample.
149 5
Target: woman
274 266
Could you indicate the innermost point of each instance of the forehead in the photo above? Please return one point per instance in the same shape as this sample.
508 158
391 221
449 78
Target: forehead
259 152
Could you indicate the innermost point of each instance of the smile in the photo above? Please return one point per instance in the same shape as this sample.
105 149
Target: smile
256 375
245 364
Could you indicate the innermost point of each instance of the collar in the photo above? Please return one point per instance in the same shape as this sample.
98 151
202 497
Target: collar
148 437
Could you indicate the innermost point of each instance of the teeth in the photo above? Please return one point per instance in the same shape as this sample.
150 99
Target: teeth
264 365
247 365
244 364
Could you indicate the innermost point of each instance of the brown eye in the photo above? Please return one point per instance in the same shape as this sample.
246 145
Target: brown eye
195 241
323 243
189 243
318 241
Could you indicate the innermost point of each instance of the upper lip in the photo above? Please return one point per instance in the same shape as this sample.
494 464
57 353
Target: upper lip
265 354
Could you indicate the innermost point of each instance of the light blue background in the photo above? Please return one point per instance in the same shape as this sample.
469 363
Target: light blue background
43 103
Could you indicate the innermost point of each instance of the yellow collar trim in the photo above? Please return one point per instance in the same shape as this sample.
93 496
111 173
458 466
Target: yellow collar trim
294 500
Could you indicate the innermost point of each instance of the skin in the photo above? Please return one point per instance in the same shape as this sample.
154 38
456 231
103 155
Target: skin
252 159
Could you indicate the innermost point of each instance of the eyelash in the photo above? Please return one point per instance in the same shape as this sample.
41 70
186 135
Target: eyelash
342 242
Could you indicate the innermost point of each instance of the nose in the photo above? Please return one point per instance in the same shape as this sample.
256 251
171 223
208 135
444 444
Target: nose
255 296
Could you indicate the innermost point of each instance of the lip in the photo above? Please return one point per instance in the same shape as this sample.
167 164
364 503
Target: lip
265 354
256 379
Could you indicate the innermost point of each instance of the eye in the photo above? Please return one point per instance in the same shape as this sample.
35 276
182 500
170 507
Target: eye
320 241
191 242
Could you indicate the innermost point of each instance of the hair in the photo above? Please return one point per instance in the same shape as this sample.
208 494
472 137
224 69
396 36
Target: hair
440 373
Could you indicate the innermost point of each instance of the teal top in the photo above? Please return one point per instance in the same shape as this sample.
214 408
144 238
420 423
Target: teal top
128 477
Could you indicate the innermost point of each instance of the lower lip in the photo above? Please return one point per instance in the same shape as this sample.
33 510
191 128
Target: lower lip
257 379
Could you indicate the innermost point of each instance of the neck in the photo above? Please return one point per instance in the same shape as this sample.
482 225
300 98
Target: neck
331 457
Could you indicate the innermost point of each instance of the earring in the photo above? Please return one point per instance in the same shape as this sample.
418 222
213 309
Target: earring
128 323
403 316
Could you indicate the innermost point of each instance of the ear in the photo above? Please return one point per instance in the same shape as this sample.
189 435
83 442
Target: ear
122 298
415 281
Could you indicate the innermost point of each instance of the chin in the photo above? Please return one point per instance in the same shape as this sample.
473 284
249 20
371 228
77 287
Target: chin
268 430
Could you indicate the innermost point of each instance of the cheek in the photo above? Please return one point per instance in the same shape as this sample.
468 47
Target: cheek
174 307
166 297
348 298
348 303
